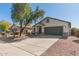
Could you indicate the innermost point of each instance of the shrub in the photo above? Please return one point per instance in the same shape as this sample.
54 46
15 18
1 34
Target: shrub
4 25
73 31
17 33
77 32
3 33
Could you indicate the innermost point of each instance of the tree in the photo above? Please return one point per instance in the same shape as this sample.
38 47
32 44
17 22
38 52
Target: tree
34 16
37 14
19 12
4 25
23 14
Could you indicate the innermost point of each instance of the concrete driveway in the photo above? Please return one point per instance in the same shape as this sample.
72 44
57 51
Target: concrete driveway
27 47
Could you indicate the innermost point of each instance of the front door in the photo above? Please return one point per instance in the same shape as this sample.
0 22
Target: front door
40 30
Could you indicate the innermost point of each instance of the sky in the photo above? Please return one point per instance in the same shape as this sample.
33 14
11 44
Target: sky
64 11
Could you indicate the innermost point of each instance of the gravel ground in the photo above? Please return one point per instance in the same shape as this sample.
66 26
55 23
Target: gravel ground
64 47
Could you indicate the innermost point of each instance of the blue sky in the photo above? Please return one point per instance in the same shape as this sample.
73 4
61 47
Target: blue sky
67 12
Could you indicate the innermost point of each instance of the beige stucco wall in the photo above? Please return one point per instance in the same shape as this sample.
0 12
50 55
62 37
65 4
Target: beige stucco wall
54 23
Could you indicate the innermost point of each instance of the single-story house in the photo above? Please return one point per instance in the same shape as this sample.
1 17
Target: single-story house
52 26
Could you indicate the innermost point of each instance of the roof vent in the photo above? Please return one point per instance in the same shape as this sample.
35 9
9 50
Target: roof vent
47 21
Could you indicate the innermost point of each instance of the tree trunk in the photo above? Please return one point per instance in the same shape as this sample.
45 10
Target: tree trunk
20 29
13 34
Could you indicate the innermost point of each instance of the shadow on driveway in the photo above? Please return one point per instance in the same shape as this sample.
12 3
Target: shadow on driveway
47 36
10 39
76 41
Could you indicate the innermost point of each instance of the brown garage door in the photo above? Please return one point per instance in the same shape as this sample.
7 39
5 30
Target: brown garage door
53 30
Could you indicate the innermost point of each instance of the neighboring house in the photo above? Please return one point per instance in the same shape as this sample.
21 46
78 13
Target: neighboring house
27 29
52 26
14 28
